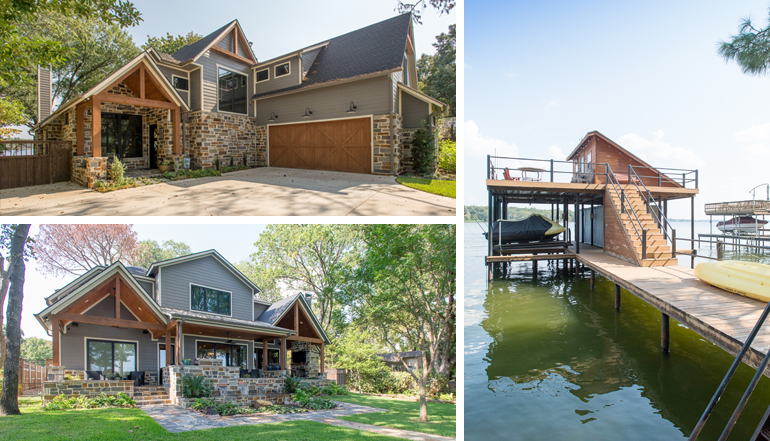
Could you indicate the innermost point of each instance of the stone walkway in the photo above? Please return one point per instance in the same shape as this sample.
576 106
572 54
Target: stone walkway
175 419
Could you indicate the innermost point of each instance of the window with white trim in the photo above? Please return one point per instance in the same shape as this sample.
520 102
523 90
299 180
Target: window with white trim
210 300
181 83
232 92
282 70
263 75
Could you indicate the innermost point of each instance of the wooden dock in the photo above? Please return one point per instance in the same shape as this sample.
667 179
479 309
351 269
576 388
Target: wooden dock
720 317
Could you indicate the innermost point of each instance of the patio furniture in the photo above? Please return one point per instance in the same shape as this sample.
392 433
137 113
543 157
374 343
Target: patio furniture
137 377
526 174
508 177
94 375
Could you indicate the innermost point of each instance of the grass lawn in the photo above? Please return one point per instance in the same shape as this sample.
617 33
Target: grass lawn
434 186
134 424
404 414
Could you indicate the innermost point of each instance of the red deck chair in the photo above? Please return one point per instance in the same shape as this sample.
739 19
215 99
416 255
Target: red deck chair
508 177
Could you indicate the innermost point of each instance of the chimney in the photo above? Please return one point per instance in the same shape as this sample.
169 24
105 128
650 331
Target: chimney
44 91
309 298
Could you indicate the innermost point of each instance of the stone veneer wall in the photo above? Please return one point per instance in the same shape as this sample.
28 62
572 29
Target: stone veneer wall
312 364
89 388
228 386
86 169
406 164
381 128
220 135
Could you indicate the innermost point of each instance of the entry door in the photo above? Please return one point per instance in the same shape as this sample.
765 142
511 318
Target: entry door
122 135
162 360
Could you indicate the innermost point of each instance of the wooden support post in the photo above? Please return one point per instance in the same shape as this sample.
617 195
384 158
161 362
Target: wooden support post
617 297
577 224
593 279
179 353
283 353
177 131
322 358
577 268
264 354
168 347
55 344
141 82
81 130
664 333
117 297
96 127
534 267
296 317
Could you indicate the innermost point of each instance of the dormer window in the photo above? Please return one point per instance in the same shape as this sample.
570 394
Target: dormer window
181 83
210 300
263 75
282 70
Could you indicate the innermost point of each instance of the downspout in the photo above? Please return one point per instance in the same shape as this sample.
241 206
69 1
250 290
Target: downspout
392 128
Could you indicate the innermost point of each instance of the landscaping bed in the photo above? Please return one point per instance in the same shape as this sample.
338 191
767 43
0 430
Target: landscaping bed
118 181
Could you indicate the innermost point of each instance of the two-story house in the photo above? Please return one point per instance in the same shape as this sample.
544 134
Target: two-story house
122 319
350 103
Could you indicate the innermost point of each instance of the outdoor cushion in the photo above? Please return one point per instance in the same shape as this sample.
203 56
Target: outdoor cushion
137 377
94 375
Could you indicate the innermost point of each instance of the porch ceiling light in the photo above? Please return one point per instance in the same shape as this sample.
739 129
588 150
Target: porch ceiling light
352 108
273 117
307 113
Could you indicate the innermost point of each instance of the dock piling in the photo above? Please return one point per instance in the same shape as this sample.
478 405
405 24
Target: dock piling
617 297
664 333
593 279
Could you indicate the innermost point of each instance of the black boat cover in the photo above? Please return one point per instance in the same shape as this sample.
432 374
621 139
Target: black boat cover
533 228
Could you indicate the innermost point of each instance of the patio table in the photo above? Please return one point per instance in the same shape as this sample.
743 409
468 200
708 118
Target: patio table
525 170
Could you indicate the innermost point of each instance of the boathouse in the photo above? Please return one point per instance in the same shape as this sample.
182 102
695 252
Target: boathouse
619 200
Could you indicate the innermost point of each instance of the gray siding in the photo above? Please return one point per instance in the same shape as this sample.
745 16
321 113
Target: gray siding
209 62
413 110
226 42
73 342
205 271
307 60
195 90
259 309
167 72
147 287
283 82
44 93
190 351
397 77
372 97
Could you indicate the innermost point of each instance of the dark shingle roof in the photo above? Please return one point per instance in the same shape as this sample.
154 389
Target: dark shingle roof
275 310
171 312
376 48
75 284
136 270
193 50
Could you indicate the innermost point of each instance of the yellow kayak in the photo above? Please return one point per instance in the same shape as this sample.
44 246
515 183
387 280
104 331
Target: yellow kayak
748 279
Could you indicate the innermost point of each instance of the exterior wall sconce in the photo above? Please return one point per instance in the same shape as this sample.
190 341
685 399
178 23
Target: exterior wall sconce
273 117
307 113
352 108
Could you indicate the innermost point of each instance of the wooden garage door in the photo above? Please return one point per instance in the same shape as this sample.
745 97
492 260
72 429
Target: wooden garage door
343 145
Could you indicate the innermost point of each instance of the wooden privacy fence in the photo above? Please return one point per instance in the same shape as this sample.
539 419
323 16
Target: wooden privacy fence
337 375
31 377
25 163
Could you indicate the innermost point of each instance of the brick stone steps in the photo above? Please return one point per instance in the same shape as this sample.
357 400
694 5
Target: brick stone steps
658 249
153 402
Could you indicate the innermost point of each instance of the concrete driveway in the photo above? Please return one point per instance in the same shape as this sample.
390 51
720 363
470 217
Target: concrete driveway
256 192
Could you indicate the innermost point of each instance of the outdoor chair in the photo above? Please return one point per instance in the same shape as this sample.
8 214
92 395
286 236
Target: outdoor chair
137 377
508 177
255 373
94 375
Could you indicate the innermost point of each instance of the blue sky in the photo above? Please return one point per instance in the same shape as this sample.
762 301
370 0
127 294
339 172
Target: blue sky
277 28
540 75
233 241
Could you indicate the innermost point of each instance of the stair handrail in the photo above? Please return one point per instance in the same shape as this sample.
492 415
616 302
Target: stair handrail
623 198
661 220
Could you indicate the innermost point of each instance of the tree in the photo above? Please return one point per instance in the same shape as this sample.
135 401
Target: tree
408 296
91 49
9 403
436 73
418 7
170 44
356 352
750 48
6 237
74 249
150 251
316 258
11 114
36 350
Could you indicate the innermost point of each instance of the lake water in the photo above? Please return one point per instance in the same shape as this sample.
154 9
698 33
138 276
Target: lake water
547 358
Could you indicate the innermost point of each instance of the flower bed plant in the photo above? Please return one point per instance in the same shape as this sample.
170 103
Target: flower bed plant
196 386
233 168
188 174
211 407
61 402
281 409
334 389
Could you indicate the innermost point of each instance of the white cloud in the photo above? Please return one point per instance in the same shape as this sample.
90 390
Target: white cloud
510 74
555 152
552 103
659 150
759 137
754 134
478 145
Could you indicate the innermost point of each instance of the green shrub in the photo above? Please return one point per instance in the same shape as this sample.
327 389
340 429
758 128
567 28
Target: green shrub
387 382
424 151
447 156
186 174
305 400
117 171
194 386
83 402
292 384
311 390
334 389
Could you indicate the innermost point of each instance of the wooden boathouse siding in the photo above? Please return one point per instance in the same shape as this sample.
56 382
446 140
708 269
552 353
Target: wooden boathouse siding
722 318
616 242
